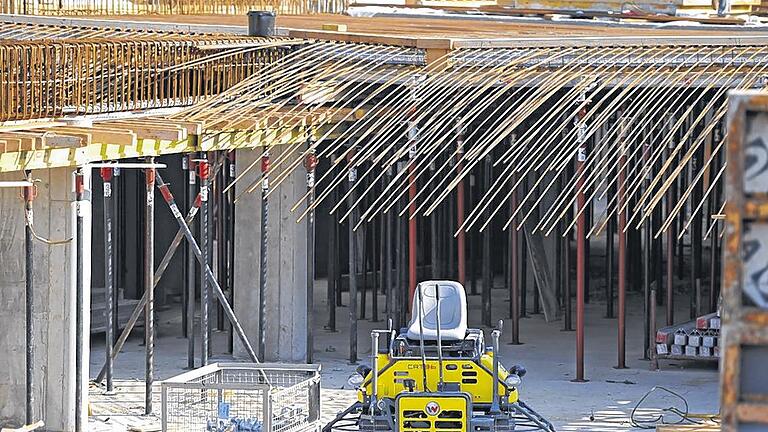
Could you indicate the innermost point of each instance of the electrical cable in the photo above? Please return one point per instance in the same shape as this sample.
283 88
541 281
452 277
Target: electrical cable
29 222
685 416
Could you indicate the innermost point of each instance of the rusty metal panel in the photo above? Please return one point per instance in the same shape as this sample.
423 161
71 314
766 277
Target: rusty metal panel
744 395
755 265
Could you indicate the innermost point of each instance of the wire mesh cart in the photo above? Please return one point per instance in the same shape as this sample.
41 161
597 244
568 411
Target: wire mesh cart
238 397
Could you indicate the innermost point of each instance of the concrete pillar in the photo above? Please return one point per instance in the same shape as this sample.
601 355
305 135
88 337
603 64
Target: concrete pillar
54 370
287 261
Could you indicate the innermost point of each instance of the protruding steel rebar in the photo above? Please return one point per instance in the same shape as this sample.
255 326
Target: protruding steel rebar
106 176
191 283
29 298
149 278
352 177
265 165
310 164
80 199
622 252
581 232
205 301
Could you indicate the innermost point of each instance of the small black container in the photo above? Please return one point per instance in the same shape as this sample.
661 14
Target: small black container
261 23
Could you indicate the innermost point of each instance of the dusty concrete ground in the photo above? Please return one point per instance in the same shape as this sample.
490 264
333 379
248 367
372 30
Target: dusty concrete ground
602 404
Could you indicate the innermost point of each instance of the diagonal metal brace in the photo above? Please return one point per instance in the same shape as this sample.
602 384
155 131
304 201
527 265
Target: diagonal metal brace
168 196
137 311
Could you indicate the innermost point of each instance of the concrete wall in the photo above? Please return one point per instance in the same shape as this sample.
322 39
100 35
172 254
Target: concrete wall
287 262
54 318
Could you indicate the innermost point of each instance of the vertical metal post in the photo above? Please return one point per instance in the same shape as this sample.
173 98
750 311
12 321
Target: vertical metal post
696 235
203 172
352 177
376 246
647 258
79 300
461 239
609 265
106 176
713 262
413 137
524 263
450 244
581 158
670 270
622 255
487 275
715 239
310 163
230 240
29 286
514 285
434 239
185 269
191 283
383 267
566 265
670 252
389 282
472 253
332 265
646 289
364 268
149 277
116 246
652 330
263 253
212 200
218 224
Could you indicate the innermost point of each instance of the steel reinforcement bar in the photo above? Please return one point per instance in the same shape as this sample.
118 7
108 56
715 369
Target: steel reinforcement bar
44 79
169 7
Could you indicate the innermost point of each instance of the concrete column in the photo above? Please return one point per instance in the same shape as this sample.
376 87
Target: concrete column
54 301
287 261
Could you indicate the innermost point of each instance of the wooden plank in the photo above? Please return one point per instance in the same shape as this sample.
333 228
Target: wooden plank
103 135
66 141
156 132
192 127
27 125
16 142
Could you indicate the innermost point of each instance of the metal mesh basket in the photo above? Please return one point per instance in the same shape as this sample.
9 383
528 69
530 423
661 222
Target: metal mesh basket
238 397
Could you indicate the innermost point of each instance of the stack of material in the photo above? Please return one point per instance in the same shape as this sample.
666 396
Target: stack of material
695 340
99 311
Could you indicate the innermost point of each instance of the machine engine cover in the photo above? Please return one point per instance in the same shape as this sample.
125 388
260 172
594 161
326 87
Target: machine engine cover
433 412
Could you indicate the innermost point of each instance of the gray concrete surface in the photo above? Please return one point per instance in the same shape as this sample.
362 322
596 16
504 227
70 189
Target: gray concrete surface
54 302
547 352
287 260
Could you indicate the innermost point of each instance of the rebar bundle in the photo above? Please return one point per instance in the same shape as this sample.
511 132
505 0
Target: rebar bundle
169 7
55 77
658 109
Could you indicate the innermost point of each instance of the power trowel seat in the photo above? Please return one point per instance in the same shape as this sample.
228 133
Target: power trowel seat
453 312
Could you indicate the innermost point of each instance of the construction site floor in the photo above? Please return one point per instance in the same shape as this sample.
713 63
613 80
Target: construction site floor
604 403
